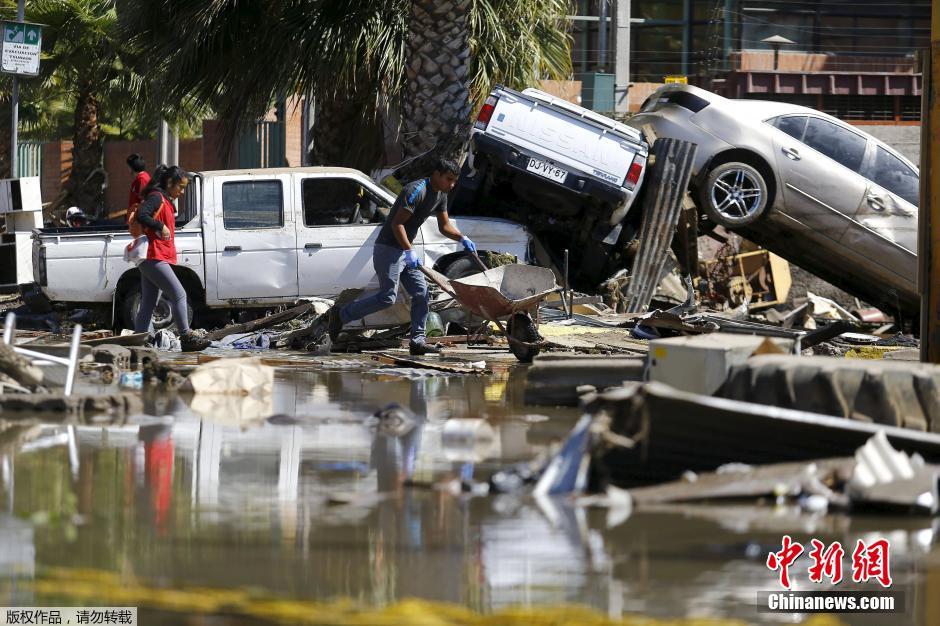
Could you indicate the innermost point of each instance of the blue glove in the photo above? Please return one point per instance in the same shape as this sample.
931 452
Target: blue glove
468 244
411 259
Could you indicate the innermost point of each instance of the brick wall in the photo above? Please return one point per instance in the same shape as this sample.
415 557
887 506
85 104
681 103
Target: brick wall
56 167
293 147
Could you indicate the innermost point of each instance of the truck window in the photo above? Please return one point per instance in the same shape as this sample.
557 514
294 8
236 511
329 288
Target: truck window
337 201
252 204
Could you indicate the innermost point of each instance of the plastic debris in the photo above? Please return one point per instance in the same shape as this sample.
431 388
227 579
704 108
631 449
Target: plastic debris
231 376
165 340
132 380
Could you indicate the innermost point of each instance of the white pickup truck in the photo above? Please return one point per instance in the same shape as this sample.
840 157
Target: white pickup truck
256 238
568 173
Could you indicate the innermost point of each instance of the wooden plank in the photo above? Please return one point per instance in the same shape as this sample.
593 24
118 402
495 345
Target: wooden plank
260 324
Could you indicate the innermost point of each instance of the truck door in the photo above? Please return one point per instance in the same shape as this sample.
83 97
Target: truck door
338 223
255 238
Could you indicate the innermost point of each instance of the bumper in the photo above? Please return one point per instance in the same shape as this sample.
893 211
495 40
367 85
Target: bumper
577 182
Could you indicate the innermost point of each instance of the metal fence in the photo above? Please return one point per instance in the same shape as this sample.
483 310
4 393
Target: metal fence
28 159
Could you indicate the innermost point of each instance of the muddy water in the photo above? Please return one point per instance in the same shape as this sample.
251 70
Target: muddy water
314 505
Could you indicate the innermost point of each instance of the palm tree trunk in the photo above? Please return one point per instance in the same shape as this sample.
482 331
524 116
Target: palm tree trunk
346 132
436 120
84 186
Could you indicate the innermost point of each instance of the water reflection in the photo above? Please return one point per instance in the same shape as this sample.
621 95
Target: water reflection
313 504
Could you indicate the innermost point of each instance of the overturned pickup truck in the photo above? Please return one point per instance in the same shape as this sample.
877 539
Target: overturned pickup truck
569 174
255 239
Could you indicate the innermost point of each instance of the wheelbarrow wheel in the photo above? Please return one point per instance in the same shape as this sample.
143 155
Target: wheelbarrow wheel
523 329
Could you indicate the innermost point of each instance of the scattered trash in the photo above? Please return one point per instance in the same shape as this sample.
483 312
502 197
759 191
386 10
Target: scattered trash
231 376
132 380
166 341
886 478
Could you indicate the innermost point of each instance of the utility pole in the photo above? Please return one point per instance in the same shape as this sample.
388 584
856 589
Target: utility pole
928 243
15 100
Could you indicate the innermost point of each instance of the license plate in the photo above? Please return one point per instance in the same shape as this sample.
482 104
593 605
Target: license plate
547 170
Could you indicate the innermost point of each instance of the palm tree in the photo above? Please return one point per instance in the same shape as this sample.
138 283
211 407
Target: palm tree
419 65
87 63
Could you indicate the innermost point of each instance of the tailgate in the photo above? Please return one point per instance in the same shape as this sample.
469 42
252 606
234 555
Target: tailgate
561 137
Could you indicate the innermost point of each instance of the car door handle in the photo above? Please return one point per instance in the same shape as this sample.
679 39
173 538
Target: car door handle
875 202
313 246
233 248
791 153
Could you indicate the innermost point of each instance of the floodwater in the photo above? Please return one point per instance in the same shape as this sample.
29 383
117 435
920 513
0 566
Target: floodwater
226 505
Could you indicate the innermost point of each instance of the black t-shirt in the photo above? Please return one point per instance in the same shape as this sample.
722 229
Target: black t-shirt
419 199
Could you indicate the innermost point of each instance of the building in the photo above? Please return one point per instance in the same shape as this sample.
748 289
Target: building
855 60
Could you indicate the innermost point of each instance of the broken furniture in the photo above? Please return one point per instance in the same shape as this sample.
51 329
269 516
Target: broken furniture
40 359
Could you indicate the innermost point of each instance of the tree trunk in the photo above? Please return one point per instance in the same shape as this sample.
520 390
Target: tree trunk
84 188
346 132
436 120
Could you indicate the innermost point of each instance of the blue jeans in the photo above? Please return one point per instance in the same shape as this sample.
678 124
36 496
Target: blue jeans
389 264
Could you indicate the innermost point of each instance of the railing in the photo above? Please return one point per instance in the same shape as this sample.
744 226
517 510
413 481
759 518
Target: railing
29 158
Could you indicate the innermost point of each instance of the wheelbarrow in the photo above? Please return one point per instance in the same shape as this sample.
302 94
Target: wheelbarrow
510 292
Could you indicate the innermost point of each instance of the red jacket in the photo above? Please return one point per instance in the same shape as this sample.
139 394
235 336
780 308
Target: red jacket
162 249
140 183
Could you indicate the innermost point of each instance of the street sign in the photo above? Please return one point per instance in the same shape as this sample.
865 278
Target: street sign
21 46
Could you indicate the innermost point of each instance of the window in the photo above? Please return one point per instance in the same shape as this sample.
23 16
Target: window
338 201
891 173
252 204
836 142
793 125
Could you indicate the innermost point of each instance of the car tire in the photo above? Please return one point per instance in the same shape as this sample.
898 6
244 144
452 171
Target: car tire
523 329
734 195
463 266
162 314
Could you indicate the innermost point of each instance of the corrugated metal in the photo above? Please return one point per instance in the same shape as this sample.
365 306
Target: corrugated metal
28 158
662 205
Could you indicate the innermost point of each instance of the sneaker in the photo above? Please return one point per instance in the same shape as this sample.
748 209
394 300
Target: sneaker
190 342
334 322
422 348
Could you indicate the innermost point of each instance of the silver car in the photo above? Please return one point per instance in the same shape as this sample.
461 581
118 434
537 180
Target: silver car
809 187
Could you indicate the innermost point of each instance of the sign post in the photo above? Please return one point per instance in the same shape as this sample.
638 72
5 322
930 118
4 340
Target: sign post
19 55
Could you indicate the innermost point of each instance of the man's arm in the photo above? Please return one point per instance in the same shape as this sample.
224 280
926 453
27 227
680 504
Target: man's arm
398 228
446 227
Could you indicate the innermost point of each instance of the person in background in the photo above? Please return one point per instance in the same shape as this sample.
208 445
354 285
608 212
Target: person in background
76 218
157 217
141 179
395 260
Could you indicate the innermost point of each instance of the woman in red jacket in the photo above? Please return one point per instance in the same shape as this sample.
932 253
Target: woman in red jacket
156 215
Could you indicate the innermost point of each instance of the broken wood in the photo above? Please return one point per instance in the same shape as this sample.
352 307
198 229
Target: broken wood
18 367
260 324
391 359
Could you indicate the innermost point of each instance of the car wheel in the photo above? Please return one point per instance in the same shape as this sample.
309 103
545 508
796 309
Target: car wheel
734 195
523 329
162 313
463 266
